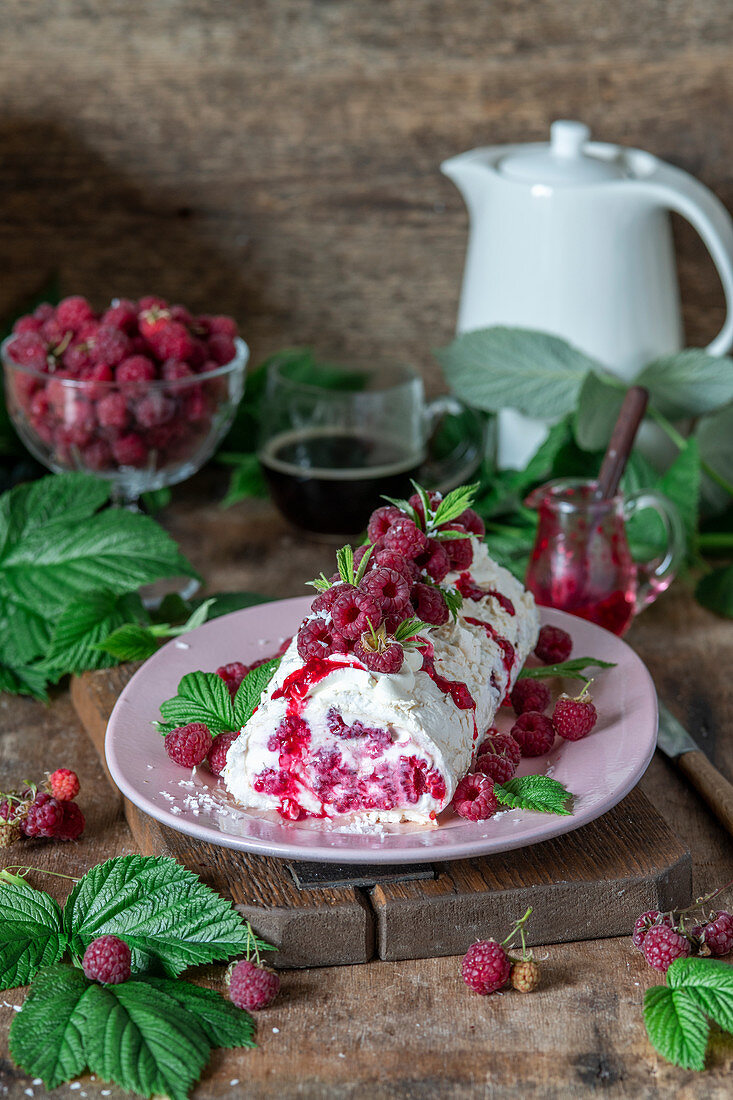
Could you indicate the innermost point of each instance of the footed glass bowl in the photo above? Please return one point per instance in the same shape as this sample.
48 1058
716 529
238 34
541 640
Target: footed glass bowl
138 435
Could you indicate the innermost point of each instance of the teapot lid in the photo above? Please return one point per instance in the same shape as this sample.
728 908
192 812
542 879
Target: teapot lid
563 162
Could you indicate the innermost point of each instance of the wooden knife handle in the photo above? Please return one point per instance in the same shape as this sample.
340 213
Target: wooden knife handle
710 785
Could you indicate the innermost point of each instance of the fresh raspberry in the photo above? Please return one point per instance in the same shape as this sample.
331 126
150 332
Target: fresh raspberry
26 324
415 501
497 767
44 311
406 538
188 745
645 922
574 718
121 314
44 817
390 588
717 934
472 522
151 301
76 359
354 612
232 675
195 405
387 658
10 833
110 346
252 987
64 784
80 423
460 551
130 450
391 559
28 350
485 967
324 601
72 822
54 334
99 373
136 368
217 757
474 798
663 945
171 340
219 324
530 695
434 560
381 520
112 411
97 455
534 733
173 370
317 639
154 409
181 314
429 604
107 959
525 976
503 744
553 645
221 348
74 312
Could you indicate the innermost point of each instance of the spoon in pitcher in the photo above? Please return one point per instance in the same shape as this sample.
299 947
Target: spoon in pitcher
622 439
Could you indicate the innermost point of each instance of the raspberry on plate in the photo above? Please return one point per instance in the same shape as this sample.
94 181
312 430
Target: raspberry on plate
354 612
385 657
553 645
252 987
434 561
474 798
497 767
406 538
429 604
390 588
574 718
317 639
501 743
530 695
188 745
534 733
381 520
662 945
232 675
486 967
217 757
107 959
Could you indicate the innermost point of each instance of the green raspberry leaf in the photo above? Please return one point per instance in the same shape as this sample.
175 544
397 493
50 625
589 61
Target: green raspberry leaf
250 691
142 1039
710 984
31 932
534 792
162 911
221 1022
573 669
676 1026
454 504
130 642
201 697
46 1035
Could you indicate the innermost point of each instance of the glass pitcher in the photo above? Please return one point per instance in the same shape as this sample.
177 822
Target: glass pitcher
581 561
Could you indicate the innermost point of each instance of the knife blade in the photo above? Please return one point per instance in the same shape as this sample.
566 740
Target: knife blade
676 743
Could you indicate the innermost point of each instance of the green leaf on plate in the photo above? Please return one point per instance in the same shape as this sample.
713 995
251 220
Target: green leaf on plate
250 690
534 792
573 669
201 697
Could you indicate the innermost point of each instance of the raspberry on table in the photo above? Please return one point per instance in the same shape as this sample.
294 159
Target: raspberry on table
529 695
486 967
525 975
717 934
107 959
252 987
662 945
474 798
217 757
553 645
390 588
429 604
497 767
354 612
317 639
383 659
645 922
534 733
44 816
381 520
188 745
64 784
232 675
10 833
572 718
72 822
405 537
501 743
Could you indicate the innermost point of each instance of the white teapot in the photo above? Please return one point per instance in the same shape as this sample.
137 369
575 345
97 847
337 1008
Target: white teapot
572 237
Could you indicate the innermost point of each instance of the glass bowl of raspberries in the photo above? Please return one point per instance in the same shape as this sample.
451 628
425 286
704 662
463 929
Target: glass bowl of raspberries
140 394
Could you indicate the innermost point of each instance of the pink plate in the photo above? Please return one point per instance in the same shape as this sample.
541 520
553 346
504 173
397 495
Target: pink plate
600 770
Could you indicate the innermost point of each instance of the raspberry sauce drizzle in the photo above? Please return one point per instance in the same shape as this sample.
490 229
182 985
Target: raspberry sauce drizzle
296 686
508 654
457 689
471 591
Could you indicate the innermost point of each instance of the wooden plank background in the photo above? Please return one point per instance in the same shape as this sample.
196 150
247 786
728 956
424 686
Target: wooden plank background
279 160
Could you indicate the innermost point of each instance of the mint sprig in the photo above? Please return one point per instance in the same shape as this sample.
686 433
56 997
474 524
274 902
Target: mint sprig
204 697
534 792
573 670
676 1014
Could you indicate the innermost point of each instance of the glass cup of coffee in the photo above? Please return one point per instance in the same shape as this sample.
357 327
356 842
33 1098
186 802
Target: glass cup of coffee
334 439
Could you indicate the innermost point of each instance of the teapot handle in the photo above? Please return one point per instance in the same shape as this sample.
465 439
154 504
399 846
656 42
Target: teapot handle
686 196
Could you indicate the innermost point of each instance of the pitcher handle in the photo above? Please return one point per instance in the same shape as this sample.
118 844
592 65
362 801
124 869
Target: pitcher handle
655 576
687 196
464 460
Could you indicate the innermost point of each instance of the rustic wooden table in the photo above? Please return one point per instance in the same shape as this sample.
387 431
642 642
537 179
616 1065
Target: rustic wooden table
412 1029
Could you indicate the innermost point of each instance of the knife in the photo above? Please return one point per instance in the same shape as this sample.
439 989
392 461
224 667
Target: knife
676 743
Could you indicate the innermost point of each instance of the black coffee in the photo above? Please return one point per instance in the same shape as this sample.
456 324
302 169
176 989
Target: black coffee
329 480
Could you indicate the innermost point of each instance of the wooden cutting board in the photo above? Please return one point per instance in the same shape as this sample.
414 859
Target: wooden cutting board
584 885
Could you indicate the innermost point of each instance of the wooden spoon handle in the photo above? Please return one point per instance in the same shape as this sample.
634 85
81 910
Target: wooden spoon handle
622 440
710 785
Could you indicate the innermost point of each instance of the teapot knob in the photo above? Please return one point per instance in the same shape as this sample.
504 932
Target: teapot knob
567 138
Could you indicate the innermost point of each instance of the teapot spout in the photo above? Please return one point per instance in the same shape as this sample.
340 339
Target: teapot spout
471 173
